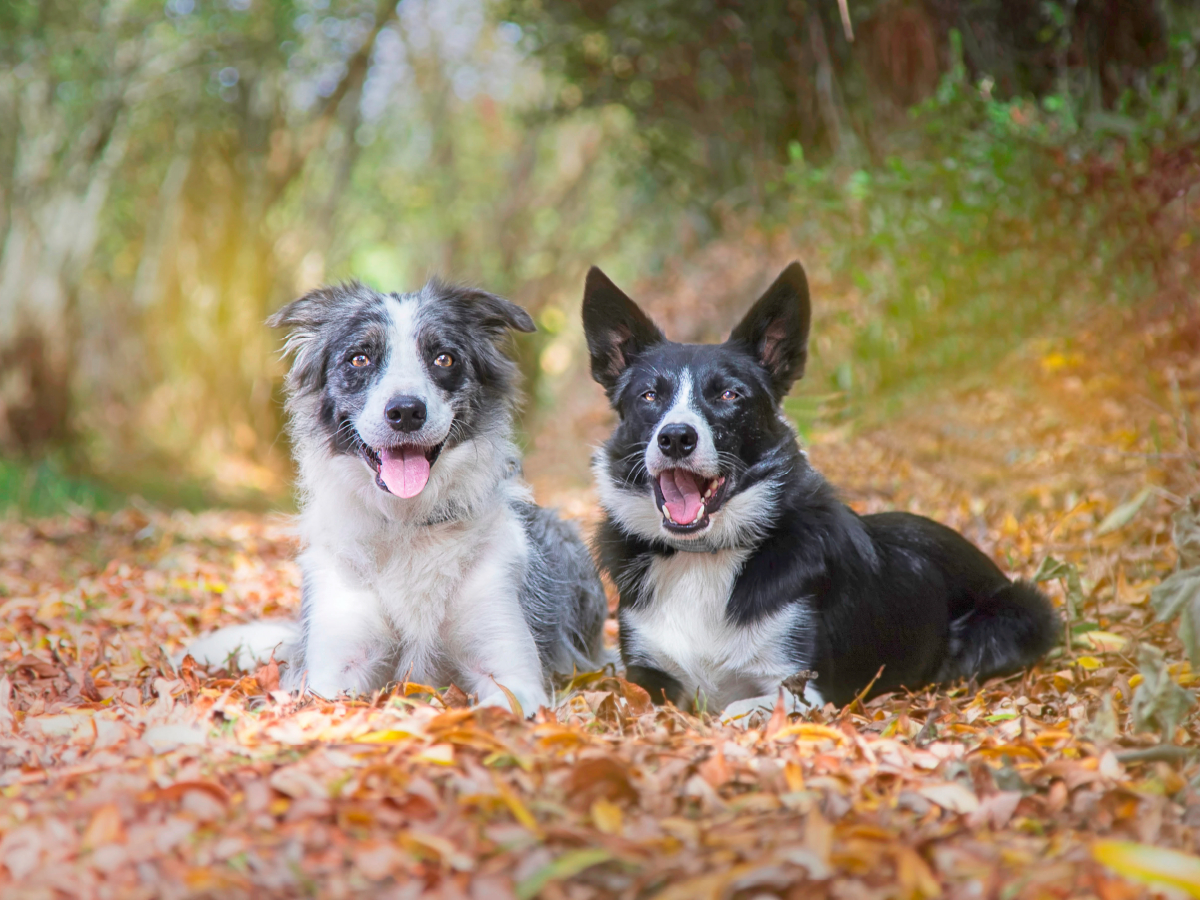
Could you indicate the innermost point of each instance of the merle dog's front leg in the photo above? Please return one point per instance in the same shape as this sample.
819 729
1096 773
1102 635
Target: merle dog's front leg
493 640
341 624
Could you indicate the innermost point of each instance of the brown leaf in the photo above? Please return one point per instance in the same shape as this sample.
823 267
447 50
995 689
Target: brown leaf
179 788
268 676
104 828
88 688
637 697
597 777
37 668
455 698
715 770
779 717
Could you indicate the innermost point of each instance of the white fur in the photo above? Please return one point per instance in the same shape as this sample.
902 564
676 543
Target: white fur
741 712
379 577
251 645
425 589
682 629
740 520
703 460
404 373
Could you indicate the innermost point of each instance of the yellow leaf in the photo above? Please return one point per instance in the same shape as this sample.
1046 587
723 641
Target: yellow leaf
1088 662
519 810
606 816
794 776
811 731
1147 864
438 754
390 736
565 866
1103 640
442 848
1051 737
915 877
411 687
1135 680
513 702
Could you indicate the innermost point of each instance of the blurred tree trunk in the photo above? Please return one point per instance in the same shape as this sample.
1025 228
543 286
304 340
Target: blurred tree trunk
842 138
59 180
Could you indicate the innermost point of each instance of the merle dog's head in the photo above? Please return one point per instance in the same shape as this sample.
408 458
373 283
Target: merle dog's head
701 446
396 380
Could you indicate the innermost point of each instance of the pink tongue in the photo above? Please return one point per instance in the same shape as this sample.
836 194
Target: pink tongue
681 493
404 470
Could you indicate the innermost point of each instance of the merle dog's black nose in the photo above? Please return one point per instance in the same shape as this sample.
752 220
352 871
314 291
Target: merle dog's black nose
405 413
677 441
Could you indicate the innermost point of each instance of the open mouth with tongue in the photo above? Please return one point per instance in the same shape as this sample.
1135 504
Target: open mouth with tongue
402 470
687 499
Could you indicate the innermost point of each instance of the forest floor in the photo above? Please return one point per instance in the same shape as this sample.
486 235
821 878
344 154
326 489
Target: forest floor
124 777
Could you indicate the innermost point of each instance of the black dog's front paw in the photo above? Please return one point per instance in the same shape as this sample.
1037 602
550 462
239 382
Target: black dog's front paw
661 687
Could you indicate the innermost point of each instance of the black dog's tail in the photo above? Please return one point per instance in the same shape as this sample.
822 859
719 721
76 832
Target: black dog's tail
1004 633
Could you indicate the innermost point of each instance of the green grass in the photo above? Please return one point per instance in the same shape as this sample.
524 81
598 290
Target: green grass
46 488
52 487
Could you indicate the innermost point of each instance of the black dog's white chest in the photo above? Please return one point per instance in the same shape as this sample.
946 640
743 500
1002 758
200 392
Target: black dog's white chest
681 626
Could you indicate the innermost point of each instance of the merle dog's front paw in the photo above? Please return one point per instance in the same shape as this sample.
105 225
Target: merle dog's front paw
529 701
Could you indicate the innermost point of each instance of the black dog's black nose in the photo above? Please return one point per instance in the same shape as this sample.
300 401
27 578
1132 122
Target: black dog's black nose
676 441
405 413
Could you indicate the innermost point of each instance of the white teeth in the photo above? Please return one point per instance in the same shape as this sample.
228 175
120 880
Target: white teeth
699 514
667 515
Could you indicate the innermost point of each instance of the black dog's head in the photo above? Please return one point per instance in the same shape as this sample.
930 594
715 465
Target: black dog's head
393 380
701 447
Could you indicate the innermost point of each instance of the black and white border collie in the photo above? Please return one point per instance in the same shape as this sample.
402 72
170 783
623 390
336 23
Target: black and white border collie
737 566
424 556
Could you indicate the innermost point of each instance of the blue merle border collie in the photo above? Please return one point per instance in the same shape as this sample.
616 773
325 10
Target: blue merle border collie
737 565
424 557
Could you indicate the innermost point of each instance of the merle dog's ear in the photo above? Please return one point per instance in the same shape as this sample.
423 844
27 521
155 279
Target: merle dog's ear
776 329
494 313
303 318
501 313
616 329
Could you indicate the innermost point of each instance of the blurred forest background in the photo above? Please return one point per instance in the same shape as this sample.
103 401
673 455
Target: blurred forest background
956 174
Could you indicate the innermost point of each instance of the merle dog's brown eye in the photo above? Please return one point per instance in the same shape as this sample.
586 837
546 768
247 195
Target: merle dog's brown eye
359 360
729 395
649 396
444 360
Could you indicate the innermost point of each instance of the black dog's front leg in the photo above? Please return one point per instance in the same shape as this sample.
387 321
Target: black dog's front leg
661 687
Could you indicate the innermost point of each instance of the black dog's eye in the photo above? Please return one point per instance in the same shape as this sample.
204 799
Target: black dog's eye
359 360
729 395
443 360
649 396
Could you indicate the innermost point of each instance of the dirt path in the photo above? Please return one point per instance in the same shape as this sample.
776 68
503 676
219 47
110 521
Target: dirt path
123 778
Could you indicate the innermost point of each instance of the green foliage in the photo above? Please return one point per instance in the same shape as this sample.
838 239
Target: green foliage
1052 569
46 488
1159 704
1178 597
989 215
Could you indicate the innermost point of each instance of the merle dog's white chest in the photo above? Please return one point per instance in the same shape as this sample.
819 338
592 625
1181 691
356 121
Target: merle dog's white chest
683 629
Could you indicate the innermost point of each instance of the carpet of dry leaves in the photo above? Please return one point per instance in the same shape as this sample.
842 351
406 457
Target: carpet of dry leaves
121 776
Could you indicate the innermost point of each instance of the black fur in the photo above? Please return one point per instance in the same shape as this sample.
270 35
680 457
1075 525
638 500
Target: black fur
893 590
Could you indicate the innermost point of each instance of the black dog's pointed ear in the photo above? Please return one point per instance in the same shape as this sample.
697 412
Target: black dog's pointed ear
776 328
616 329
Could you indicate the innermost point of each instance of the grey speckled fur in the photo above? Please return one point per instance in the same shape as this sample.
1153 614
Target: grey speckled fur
468 581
